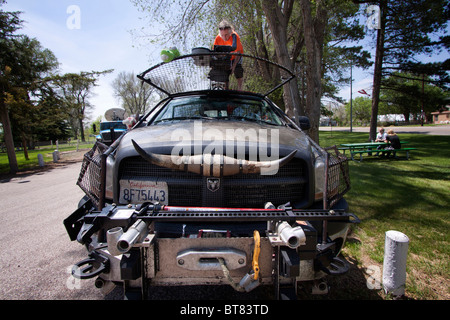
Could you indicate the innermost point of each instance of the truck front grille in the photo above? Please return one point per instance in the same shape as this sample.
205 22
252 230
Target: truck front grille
238 191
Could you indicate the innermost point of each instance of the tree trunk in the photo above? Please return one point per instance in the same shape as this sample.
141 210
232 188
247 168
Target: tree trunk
313 33
278 25
8 136
406 116
379 55
80 122
25 147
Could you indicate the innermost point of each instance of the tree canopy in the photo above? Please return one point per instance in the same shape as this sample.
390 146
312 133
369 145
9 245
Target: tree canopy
304 36
75 90
23 63
132 93
407 30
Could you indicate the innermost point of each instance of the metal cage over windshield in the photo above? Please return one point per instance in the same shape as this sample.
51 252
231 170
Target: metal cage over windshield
212 71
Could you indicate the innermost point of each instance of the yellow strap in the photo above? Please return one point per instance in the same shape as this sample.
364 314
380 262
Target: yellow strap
256 252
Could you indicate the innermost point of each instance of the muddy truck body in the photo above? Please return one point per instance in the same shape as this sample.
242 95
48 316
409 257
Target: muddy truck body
213 186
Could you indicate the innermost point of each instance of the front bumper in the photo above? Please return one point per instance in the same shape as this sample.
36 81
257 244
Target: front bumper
138 244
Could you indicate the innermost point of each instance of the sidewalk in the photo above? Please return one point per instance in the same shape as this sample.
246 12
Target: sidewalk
438 130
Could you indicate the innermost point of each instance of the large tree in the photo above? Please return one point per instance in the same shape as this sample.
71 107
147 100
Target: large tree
278 17
75 89
23 64
407 94
361 107
10 22
294 32
405 30
133 94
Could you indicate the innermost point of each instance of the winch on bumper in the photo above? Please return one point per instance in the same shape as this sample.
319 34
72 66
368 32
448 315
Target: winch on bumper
131 248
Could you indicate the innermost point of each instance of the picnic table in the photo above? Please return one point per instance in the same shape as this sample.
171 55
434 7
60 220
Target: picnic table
371 147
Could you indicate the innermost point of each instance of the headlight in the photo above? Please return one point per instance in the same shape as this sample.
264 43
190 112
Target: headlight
319 173
109 178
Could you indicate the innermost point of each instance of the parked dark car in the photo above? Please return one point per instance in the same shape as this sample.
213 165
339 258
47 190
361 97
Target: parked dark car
113 127
213 186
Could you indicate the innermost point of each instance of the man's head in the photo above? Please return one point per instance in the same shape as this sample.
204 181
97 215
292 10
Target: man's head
225 30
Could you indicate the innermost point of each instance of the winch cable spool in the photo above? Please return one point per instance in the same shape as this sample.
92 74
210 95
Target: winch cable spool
255 264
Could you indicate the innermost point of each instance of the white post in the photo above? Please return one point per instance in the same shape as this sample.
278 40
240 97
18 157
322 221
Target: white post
55 156
394 266
41 160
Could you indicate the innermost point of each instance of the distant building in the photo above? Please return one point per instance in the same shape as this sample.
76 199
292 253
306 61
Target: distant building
391 118
441 117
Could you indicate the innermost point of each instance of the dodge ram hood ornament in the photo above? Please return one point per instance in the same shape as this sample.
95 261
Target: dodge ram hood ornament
210 165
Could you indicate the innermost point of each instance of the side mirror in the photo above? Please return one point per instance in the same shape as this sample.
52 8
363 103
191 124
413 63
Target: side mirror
303 122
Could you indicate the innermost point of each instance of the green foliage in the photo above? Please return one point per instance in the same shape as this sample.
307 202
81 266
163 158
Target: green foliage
407 94
361 107
344 32
74 90
412 28
23 65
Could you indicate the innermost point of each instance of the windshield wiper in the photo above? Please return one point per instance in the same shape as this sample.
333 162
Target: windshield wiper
183 118
244 118
261 121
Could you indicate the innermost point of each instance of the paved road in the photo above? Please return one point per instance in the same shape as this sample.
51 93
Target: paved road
441 130
35 251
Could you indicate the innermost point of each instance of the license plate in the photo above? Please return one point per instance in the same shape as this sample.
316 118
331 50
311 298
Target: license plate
135 191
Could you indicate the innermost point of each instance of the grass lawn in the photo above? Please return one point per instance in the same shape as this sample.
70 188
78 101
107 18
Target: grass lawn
410 196
33 162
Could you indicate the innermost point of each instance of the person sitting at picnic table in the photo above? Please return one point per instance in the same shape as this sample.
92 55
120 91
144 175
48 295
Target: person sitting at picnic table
394 142
381 135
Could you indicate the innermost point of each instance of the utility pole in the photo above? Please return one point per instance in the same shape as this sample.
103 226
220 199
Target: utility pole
351 97
423 95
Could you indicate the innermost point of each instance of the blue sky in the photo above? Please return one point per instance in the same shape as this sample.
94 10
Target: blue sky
99 39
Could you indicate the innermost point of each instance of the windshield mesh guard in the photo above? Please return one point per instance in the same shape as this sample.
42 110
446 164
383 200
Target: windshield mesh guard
210 71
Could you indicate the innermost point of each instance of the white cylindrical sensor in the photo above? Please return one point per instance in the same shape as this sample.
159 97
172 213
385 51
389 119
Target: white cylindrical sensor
394 265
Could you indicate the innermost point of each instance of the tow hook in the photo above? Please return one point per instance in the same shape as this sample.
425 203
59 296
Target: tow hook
251 280
96 262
